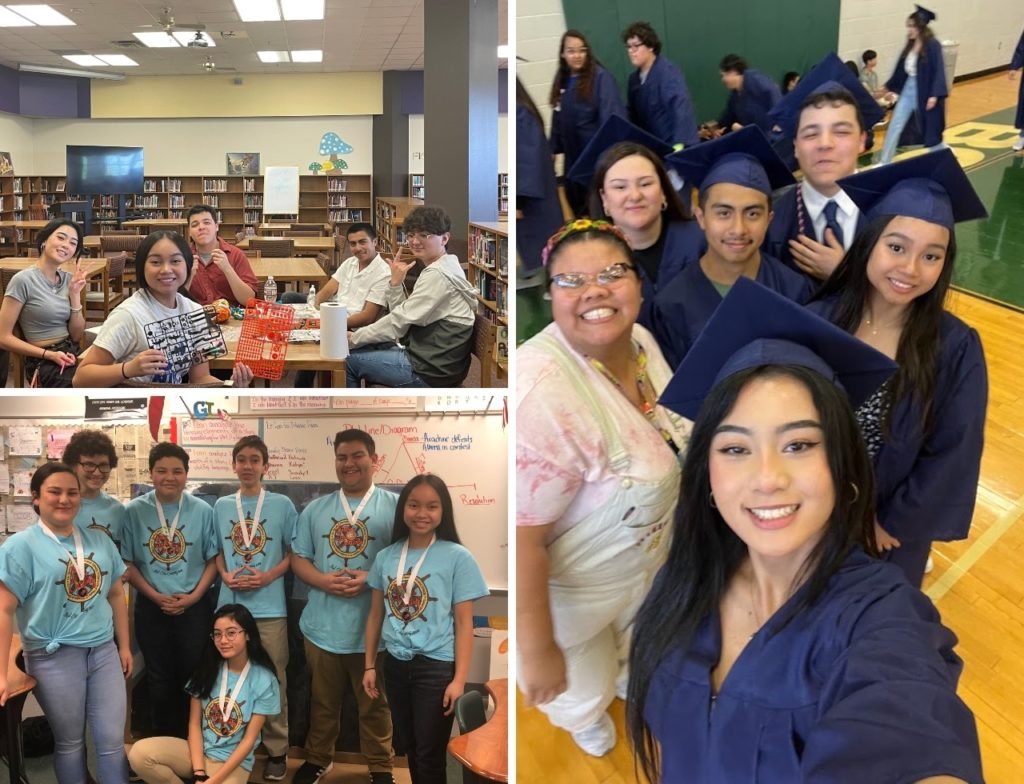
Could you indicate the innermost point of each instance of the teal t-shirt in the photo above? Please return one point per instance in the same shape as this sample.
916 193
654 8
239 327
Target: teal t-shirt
426 625
260 694
270 543
55 607
169 566
103 513
325 537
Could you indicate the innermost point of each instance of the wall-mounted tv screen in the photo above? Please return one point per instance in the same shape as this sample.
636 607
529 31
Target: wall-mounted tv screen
101 170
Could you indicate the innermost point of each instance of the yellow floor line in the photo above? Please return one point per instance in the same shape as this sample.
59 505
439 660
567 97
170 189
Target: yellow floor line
963 564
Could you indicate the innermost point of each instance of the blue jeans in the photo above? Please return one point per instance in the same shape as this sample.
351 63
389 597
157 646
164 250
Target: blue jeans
415 692
75 686
905 107
387 366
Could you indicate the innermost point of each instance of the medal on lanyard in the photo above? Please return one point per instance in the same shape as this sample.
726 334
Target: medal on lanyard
77 557
415 569
168 532
249 532
225 712
353 517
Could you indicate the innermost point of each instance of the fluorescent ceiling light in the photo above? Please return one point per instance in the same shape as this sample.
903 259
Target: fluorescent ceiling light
11 19
273 57
48 69
156 40
42 15
294 10
307 55
258 10
117 59
503 52
84 59
186 38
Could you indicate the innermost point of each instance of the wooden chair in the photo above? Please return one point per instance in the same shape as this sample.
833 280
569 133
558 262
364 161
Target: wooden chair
326 263
303 234
110 291
485 337
275 247
112 244
314 227
105 232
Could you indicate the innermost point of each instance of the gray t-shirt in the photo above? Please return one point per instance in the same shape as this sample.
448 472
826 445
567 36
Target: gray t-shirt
45 308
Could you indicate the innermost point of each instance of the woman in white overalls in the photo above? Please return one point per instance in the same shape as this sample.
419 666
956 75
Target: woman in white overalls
597 482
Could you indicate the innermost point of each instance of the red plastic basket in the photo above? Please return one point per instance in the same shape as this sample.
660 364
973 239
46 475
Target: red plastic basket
263 343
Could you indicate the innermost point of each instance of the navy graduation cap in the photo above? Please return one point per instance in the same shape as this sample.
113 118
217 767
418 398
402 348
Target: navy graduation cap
754 326
743 157
924 14
932 187
829 74
614 130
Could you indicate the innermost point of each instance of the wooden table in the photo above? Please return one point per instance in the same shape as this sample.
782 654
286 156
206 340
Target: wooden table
278 229
300 270
152 224
304 246
19 685
485 749
301 356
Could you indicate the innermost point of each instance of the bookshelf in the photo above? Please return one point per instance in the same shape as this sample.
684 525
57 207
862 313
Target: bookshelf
488 272
390 213
418 190
340 200
502 194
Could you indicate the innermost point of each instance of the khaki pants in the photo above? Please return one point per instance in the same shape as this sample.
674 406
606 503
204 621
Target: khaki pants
331 672
167 761
274 633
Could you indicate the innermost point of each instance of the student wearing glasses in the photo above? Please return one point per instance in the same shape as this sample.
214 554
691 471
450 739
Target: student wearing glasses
425 339
92 457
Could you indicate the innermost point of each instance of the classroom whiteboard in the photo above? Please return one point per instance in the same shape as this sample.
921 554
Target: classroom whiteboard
469 452
281 190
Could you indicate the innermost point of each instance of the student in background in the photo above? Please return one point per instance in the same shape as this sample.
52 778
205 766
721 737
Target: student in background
658 97
223 271
170 540
538 210
121 351
336 540
45 302
256 530
1015 68
428 332
920 79
868 75
63 583
925 428
583 96
827 116
735 176
423 588
752 95
233 692
92 457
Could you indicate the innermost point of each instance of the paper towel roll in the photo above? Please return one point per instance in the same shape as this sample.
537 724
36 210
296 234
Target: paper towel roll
333 331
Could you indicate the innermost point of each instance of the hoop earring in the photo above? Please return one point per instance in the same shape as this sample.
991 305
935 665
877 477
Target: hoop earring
856 493
711 500
664 205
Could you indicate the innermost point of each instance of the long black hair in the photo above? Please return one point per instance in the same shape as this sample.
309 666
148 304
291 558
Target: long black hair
918 350
585 80
924 35
205 676
446 530
705 553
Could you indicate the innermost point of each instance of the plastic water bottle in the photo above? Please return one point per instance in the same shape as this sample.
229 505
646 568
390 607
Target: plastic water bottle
270 289
311 297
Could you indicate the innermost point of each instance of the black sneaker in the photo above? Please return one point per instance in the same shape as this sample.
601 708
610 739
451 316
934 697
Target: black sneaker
382 777
276 768
310 773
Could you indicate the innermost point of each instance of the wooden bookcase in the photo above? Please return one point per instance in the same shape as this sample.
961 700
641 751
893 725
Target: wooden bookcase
418 190
390 213
488 271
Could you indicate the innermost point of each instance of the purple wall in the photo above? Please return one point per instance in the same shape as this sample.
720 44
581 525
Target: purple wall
412 92
43 95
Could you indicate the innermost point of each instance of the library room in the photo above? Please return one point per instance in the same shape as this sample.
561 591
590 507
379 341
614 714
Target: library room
354 166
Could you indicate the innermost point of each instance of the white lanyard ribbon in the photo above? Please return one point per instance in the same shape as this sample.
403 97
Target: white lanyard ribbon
353 517
78 556
415 569
225 712
248 533
168 532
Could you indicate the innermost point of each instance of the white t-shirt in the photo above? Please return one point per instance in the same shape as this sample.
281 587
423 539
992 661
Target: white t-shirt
123 334
357 287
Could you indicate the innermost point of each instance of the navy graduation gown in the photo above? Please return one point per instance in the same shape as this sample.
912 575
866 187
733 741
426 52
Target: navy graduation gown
859 687
684 305
1018 62
662 105
684 242
536 190
785 226
931 82
751 103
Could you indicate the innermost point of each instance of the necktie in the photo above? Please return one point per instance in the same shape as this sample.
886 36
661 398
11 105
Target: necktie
832 223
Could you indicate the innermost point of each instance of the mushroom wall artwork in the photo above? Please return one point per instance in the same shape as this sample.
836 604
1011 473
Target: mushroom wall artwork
331 145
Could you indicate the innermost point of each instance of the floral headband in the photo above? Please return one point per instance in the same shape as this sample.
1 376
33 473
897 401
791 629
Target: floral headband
580 226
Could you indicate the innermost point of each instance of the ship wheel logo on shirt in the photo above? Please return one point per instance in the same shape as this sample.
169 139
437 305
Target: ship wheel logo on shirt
223 727
81 591
259 539
349 540
167 550
95 525
418 600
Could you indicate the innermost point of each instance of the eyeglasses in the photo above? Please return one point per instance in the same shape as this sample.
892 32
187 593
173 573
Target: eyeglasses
578 280
228 634
581 50
89 468
422 236
634 47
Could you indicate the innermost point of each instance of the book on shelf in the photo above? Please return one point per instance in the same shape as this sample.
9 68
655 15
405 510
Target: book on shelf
249 184
16 185
171 186
501 344
215 186
61 185
337 184
149 186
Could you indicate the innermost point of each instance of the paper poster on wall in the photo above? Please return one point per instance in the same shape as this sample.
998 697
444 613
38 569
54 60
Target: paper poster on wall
22 480
279 402
110 408
56 442
6 165
246 163
20 517
5 479
25 440
377 402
